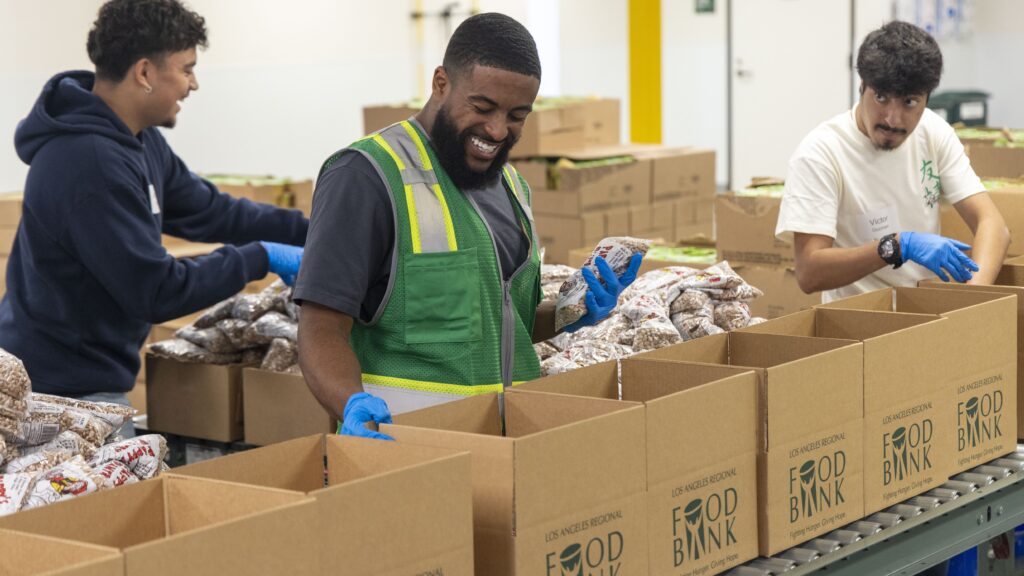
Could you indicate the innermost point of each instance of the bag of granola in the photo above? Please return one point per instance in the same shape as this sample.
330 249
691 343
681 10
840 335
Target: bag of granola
617 252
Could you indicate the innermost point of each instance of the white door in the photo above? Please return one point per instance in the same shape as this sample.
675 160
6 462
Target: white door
790 71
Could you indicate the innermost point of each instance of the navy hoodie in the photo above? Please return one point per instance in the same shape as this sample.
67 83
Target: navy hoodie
87 275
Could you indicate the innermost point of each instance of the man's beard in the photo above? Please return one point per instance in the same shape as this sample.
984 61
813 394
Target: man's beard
451 150
886 147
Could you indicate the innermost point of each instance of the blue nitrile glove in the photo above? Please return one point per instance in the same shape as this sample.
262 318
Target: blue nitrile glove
936 253
361 409
601 299
284 260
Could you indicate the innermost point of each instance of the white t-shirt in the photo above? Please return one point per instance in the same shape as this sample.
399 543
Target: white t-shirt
839 185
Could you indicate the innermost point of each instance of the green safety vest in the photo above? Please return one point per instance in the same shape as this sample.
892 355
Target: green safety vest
450 326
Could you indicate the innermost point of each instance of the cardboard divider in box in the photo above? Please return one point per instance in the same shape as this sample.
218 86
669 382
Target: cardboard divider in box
558 486
909 423
177 525
194 400
1009 281
979 359
386 508
810 434
996 161
279 406
701 495
745 230
34 555
1010 202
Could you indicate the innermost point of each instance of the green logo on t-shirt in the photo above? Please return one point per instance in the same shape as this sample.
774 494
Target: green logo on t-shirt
931 182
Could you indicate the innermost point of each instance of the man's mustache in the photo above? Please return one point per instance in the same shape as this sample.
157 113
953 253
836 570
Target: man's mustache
890 129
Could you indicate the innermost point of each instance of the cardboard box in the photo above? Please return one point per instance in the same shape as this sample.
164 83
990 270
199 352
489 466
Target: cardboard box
279 407
3 275
679 174
908 406
194 400
565 124
810 437
177 525
572 189
995 161
281 192
602 122
10 209
616 222
694 219
388 508
186 249
782 293
1009 281
558 235
33 555
1009 201
7 234
534 171
701 496
562 491
382 116
980 361
745 230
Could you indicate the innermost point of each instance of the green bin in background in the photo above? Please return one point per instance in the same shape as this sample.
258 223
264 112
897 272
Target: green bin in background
967 107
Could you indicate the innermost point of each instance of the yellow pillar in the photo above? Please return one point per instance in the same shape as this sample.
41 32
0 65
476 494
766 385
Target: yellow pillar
645 71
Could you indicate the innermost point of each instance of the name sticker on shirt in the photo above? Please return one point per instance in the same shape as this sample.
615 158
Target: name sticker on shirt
154 204
877 223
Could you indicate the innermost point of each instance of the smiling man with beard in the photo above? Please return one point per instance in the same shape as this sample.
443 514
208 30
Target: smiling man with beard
861 202
422 275
87 275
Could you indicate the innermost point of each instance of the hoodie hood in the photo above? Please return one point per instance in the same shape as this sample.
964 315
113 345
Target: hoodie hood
68 106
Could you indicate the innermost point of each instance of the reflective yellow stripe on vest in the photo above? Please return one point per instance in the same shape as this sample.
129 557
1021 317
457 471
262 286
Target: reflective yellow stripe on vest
430 221
436 387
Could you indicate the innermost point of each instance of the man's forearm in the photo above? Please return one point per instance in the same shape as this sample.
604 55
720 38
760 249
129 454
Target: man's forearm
330 368
988 251
831 268
544 322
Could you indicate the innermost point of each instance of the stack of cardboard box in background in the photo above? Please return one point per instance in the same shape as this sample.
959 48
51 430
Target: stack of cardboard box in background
10 216
745 226
586 185
994 152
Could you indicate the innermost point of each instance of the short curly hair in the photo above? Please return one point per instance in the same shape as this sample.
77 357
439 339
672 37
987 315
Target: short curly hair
493 40
900 59
128 30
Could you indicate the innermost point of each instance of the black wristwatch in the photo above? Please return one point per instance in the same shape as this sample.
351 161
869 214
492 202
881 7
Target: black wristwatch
889 250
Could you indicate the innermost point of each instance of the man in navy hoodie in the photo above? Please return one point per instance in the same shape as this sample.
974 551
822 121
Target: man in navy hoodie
87 275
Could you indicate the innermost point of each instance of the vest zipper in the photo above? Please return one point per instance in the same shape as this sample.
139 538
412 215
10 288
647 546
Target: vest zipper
508 343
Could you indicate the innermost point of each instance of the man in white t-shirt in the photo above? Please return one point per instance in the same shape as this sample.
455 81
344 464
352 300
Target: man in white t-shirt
861 202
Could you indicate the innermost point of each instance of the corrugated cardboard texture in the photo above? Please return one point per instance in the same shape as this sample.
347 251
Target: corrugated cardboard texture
745 230
411 513
279 407
293 465
196 503
595 381
1010 281
980 361
194 400
527 485
34 555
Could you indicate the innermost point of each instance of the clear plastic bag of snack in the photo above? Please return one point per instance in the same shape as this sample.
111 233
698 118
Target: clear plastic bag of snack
618 252
555 273
744 292
293 369
234 329
13 491
62 482
249 307
253 357
597 351
37 462
42 423
212 339
732 315
692 301
185 351
114 414
557 364
658 283
272 325
12 407
544 350
10 428
281 354
143 455
653 328
14 380
92 429
693 327
215 314
756 320
67 441
114 473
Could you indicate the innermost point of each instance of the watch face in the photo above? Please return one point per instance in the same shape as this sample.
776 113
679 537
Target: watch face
886 248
